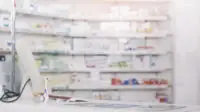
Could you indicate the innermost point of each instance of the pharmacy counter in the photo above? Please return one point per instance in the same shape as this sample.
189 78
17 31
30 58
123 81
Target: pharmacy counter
93 107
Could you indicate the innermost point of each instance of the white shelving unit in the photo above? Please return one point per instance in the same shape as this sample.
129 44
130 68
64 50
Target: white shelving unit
76 58
120 88
128 36
109 71
78 53
45 15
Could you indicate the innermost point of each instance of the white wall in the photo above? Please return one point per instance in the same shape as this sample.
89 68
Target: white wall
187 49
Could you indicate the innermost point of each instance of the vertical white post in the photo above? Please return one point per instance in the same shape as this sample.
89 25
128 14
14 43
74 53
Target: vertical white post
13 14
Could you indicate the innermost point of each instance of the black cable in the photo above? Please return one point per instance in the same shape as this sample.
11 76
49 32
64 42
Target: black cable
9 94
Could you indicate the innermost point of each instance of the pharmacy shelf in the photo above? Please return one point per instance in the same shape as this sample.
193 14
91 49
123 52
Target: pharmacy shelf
135 71
63 34
42 33
34 32
147 18
46 15
125 87
140 1
64 71
100 35
49 52
78 53
4 52
106 71
141 52
120 1
127 35
82 53
4 10
2 30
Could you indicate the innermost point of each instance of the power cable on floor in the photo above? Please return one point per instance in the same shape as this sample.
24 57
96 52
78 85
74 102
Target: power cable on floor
5 98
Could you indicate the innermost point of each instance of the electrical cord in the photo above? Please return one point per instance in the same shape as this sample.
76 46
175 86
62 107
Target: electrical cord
10 94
